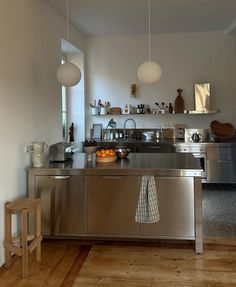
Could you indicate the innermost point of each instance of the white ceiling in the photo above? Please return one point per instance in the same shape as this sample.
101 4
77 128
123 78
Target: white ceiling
113 17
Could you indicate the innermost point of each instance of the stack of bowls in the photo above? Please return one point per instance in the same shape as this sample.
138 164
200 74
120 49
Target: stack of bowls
122 151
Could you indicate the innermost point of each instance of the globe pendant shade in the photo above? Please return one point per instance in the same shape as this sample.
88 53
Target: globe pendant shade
68 74
149 72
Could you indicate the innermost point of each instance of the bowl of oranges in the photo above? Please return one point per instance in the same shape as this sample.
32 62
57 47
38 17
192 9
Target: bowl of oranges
106 155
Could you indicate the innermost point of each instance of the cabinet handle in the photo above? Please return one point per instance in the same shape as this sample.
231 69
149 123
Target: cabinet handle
155 147
169 177
112 176
61 176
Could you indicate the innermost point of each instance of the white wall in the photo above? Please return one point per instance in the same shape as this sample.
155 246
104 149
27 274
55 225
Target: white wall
29 93
185 59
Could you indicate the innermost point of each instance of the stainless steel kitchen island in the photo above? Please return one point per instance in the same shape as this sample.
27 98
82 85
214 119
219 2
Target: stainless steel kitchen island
87 199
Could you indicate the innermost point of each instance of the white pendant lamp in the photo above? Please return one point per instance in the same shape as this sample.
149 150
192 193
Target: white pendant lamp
68 74
149 72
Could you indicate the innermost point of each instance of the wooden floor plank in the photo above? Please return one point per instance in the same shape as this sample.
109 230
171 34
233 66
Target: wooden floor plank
75 268
138 266
57 261
67 263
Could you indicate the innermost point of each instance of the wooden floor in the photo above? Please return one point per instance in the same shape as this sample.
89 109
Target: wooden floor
87 264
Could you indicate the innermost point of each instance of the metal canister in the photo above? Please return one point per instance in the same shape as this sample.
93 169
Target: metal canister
111 136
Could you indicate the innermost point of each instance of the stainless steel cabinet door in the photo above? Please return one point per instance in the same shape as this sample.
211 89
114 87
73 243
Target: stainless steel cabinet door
221 171
63 204
176 207
221 164
111 205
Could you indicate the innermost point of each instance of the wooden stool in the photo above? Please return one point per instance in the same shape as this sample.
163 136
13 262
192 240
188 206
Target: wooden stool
26 243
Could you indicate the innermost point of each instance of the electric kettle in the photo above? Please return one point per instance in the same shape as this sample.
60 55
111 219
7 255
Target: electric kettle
195 137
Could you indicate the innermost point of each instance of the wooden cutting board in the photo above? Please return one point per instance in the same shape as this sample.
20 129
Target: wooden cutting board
222 131
115 111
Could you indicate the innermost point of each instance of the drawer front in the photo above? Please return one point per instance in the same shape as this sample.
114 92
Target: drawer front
221 153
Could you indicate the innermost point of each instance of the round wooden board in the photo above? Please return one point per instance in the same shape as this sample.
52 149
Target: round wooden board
222 130
106 159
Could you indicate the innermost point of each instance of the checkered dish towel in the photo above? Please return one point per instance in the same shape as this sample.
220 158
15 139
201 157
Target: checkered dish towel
147 209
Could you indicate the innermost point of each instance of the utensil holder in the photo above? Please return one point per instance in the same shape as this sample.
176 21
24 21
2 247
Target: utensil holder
37 147
94 111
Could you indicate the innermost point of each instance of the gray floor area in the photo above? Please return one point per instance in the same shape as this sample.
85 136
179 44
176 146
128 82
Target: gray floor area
219 210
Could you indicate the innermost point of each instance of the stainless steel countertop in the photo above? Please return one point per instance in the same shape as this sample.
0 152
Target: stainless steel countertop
228 142
207 143
159 164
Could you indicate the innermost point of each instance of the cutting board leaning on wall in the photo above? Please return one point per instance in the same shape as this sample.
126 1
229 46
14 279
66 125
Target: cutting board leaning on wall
222 131
179 102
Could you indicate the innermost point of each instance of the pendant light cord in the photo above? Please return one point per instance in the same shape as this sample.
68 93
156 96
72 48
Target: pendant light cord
67 20
149 31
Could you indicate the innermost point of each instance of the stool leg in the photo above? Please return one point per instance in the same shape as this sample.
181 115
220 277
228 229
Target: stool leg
8 237
25 253
37 231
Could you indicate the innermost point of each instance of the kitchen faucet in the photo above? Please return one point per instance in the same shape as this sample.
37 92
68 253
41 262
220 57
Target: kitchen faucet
125 125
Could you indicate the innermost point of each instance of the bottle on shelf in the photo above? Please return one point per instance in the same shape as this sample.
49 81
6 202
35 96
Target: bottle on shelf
108 106
142 109
163 110
170 108
138 110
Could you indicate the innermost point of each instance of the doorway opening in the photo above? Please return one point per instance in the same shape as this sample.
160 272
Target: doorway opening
73 98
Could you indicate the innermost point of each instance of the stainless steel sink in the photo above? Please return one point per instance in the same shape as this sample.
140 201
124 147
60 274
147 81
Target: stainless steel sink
156 148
